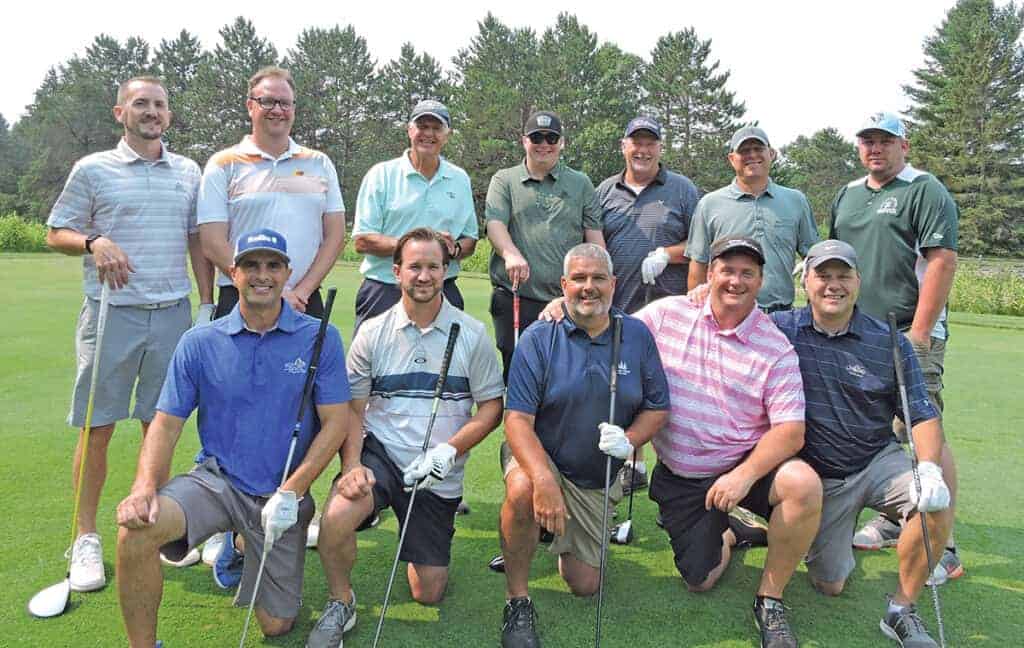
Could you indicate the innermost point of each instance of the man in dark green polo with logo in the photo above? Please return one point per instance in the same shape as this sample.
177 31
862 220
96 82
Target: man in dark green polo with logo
904 225
536 211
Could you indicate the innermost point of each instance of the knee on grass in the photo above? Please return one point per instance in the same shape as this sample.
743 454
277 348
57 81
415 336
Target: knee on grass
272 626
828 588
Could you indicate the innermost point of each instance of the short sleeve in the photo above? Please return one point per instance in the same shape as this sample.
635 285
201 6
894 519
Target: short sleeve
593 217
369 210
656 392
807 230
526 373
498 205
921 408
469 224
74 207
180 393
212 205
331 376
697 244
194 178
484 372
784 390
335 202
936 218
359 365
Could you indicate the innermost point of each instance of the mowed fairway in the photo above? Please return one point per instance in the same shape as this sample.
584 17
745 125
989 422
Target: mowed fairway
645 604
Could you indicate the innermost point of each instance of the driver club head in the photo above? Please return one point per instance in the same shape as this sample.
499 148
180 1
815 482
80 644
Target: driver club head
52 601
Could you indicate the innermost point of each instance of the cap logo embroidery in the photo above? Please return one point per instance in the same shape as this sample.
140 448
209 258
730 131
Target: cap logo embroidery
543 120
296 366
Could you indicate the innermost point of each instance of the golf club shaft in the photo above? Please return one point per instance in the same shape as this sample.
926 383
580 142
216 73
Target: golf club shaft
101 325
307 389
613 385
442 377
515 318
897 358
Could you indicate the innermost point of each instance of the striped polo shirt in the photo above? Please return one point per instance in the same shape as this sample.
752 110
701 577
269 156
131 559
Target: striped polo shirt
249 189
147 207
727 386
394 365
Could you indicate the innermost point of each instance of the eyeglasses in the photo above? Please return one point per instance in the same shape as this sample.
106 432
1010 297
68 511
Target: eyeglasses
547 136
268 103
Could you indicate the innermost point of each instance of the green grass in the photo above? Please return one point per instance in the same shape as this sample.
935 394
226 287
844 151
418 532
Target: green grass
646 604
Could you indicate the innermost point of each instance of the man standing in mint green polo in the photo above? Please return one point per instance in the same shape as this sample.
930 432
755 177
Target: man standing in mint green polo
904 226
777 217
536 212
419 188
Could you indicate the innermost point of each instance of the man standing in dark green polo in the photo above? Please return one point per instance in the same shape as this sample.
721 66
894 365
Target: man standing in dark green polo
777 217
536 211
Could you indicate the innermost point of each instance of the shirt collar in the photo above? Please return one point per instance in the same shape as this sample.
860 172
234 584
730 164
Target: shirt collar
658 179
287 321
736 193
249 147
742 331
854 328
554 172
128 154
571 328
408 169
443 321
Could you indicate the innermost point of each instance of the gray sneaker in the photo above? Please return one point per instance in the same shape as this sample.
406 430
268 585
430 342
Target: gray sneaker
949 568
906 628
337 619
878 533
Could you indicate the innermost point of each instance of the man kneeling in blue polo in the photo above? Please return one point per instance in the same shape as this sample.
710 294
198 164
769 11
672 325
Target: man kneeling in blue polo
846 362
558 439
246 373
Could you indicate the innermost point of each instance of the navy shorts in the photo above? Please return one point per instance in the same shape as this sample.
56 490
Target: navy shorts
374 297
432 525
694 532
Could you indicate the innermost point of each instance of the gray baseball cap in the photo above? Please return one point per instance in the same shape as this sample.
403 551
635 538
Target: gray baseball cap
830 250
746 133
433 108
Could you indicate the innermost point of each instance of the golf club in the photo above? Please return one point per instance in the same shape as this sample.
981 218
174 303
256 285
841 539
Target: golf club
613 386
53 600
515 317
307 390
897 359
442 376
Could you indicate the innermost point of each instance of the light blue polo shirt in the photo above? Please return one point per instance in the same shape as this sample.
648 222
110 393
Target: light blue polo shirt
780 220
394 198
247 387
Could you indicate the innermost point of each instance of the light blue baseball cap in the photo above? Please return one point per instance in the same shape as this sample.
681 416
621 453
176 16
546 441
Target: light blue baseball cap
884 121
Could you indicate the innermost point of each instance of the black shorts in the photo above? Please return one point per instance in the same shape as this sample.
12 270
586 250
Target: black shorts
374 297
227 297
694 532
502 315
432 525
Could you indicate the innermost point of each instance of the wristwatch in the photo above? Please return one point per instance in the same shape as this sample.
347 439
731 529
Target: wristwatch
89 241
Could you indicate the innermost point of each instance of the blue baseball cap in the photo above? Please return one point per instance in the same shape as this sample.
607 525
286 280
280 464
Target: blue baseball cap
433 108
266 240
643 123
884 121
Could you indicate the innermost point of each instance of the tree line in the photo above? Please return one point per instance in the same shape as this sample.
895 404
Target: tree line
966 109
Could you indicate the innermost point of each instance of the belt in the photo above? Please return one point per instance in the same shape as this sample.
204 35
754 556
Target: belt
776 307
156 305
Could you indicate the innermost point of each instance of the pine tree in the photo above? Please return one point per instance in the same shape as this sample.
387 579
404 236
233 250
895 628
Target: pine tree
177 63
818 165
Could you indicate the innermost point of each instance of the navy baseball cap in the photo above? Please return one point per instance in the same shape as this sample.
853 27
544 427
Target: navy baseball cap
747 133
643 123
266 240
884 121
543 121
743 244
433 108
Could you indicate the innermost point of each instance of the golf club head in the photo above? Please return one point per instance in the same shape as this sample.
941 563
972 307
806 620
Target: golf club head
622 534
52 601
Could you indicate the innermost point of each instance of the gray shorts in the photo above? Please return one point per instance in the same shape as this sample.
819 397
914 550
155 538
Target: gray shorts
137 347
882 486
213 505
585 510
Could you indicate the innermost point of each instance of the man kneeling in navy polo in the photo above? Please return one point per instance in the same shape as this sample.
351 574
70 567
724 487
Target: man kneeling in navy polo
851 394
558 440
246 373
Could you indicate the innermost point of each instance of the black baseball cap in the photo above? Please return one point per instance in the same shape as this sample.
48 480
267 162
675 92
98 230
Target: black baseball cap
542 121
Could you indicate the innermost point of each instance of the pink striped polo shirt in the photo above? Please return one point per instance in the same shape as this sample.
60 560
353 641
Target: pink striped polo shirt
727 386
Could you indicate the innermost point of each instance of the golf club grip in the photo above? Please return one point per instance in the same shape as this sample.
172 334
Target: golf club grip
442 375
314 360
613 370
897 357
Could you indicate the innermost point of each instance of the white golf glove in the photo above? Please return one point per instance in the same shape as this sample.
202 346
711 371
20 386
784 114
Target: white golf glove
280 513
205 314
430 468
614 442
654 265
934 492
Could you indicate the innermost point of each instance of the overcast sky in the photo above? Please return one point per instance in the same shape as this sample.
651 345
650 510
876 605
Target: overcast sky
798 65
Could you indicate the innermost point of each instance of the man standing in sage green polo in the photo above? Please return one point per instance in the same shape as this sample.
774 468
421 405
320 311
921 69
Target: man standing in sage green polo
536 211
777 217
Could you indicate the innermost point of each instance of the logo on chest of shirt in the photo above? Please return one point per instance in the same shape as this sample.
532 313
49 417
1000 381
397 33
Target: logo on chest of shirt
856 370
623 370
296 366
451 195
889 206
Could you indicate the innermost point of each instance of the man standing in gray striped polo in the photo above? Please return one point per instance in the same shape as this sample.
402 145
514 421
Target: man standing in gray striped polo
131 212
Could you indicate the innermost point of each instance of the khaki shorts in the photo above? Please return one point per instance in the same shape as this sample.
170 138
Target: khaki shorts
137 347
585 508
883 486
213 505
931 362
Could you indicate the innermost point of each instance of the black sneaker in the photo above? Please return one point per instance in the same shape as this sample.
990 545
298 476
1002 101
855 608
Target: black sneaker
906 628
748 529
770 616
519 628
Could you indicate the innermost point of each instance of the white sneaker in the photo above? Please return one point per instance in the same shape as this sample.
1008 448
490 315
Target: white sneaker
212 548
87 564
313 533
191 558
